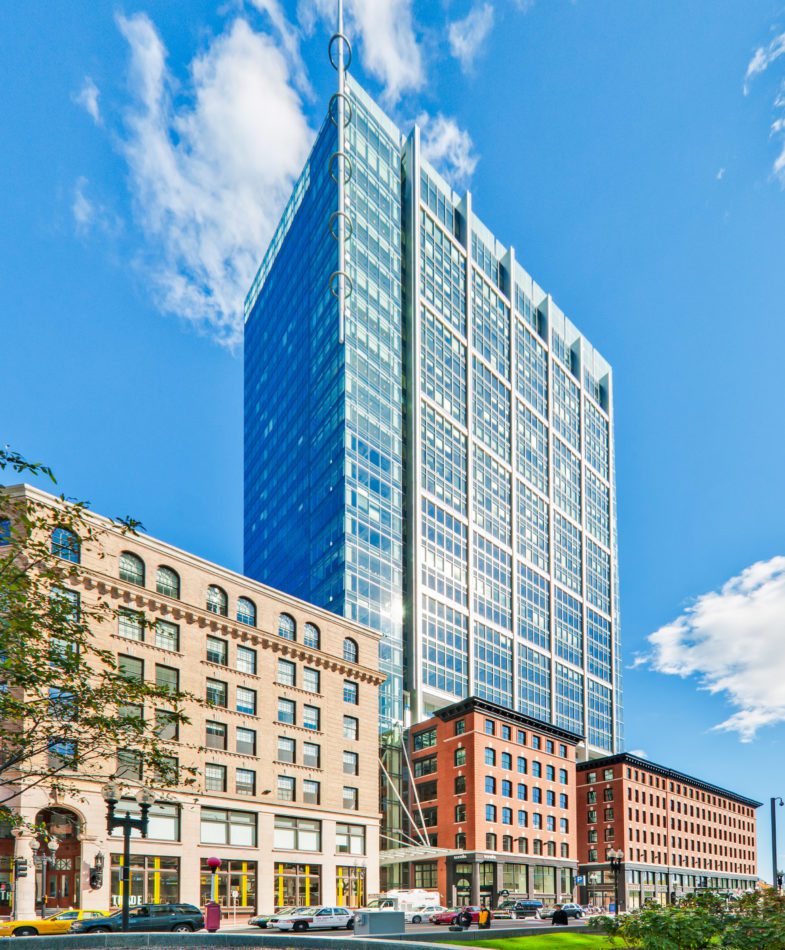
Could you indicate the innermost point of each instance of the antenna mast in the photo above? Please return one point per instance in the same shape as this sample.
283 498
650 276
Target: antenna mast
340 166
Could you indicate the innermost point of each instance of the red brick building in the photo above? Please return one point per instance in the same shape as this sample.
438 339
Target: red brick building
678 834
494 791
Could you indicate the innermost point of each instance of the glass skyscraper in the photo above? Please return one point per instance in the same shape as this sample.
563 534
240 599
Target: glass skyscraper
446 474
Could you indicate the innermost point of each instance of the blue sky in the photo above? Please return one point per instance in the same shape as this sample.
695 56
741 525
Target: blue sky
628 150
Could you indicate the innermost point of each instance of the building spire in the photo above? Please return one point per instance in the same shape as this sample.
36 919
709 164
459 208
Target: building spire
340 165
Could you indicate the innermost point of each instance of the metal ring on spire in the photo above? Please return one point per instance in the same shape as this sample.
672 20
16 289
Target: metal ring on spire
341 275
348 168
347 105
343 38
347 224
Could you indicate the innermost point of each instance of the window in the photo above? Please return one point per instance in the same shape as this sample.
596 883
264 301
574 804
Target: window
246 741
311 718
490 841
5 530
506 816
608 794
424 766
562 800
592 854
66 544
608 775
312 791
460 841
246 701
217 651
550 773
286 749
490 756
245 782
216 693
522 765
167 635
460 727
351 727
214 778
312 755
490 785
130 667
537 769
460 813
286 788
591 816
490 813
536 742
506 733
506 788
164 820
506 842
246 611
311 680
286 674
564 849
132 568
167 582
130 624
609 814
246 660
550 823
490 727
351 763
351 798
350 651
166 724
563 751
297 834
215 735
591 796
425 739
563 776
129 764
460 784
287 628
459 757
349 839
167 677
220 826
522 792
312 637
217 601
537 795
506 761
350 692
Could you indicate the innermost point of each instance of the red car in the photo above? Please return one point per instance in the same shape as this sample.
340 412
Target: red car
451 916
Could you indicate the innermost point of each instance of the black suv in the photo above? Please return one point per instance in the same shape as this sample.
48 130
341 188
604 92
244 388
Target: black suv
180 918
527 909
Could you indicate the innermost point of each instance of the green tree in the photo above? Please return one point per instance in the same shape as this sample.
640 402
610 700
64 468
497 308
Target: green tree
67 708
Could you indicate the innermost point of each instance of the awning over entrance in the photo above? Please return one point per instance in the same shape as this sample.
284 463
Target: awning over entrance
415 853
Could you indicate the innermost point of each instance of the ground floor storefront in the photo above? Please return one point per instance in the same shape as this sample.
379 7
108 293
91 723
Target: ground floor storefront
640 884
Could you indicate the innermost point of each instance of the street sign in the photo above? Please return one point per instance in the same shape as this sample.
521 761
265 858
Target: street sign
580 878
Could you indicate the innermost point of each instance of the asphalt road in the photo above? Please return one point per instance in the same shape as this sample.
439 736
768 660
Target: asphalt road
528 923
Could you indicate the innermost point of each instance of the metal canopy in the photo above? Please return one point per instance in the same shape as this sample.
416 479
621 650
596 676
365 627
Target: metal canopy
414 853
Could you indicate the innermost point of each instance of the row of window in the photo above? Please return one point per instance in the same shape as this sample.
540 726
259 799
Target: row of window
310 792
428 737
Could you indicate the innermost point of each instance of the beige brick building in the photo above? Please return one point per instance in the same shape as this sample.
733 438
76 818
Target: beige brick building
287 791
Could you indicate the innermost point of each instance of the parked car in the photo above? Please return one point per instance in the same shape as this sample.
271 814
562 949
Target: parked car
416 915
505 909
315 918
528 908
56 924
264 920
451 916
571 910
179 918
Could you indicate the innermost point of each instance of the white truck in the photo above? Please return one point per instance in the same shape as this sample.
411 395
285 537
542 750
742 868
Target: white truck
420 903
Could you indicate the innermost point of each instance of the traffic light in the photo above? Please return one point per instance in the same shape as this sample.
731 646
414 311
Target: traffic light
20 867
96 878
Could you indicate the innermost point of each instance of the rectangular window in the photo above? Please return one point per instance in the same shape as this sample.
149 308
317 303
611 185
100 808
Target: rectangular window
490 727
286 674
130 624
350 692
217 651
246 700
490 813
245 781
351 798
311 718
286 788
246 741
246 660
220 826
297 834
349 839
311 792
460 813
167 635
312 755
351 763
424 766
214 777
167 677
287 712
311 680
166 725
130 667
460 784
351 728
460 727
217 693
129 763
163 820
425 739
215 735
286 749
459 757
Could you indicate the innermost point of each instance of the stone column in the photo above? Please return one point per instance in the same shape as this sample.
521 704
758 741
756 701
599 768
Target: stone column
24 888
475 898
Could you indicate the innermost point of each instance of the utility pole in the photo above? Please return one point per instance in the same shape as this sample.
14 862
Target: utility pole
775 878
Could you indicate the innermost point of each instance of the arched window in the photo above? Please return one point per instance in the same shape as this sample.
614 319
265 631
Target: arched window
490 841
246 611
537 846
66 545
311 636
131 568
506 842
523 845
565 849
217 601
551 846
287 628
350 651
167 582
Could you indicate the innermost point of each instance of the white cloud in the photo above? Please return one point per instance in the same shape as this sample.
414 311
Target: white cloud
448 147
468 35
762 58
641 753
385 29
731 640
82 207
720 174
87 98
210 178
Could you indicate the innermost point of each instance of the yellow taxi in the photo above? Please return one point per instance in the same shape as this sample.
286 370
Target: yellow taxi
56 924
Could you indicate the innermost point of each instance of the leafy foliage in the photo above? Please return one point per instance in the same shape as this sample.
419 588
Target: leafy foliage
67 708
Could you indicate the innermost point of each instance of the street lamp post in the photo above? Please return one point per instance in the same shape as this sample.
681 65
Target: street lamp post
616 858
127 823
775 880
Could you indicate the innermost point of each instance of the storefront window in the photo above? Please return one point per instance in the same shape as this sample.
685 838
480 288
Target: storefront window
154 880
350 886
297 885
565 882
463 882
235 882
515 878
543 880
425 875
